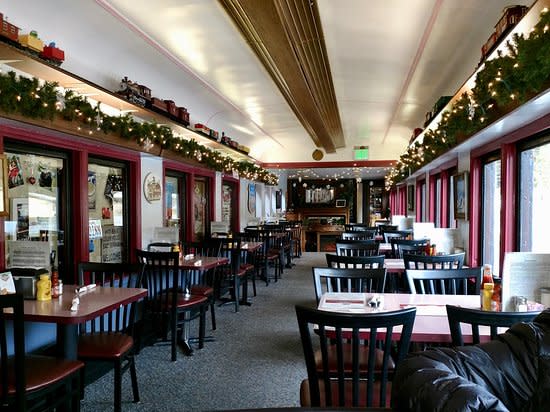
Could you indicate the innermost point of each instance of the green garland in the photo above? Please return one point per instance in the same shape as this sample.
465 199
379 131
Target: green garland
31 98
503 84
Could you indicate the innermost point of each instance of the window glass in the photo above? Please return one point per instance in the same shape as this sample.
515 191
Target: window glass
107 197
534 203
491 215
34 229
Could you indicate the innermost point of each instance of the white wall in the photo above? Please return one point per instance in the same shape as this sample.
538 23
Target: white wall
151 213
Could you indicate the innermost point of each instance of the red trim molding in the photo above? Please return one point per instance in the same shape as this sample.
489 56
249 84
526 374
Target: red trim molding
475 211
509 191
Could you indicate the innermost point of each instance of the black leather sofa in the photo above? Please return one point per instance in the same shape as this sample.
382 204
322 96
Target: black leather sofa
511 373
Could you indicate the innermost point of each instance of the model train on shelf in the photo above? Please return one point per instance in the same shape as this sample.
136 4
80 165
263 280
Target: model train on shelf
141 95
30 42
510 17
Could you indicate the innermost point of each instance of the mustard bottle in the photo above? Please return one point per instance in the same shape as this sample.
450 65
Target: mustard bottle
44 288
487 296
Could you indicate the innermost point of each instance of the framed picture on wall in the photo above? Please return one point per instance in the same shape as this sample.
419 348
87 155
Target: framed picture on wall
460 192
410 197
252 199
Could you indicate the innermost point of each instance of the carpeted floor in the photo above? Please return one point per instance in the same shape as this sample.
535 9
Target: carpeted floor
256 360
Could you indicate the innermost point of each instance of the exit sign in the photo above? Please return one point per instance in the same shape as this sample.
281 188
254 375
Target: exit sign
361 153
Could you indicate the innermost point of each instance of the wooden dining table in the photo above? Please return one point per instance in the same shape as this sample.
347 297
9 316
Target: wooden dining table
431 323
93 304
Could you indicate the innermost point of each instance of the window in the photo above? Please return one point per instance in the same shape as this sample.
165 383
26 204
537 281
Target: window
36 225
490 239
201 215
107 211
534 201
174 202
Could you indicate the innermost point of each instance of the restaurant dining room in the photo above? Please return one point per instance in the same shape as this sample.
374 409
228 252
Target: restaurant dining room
279 205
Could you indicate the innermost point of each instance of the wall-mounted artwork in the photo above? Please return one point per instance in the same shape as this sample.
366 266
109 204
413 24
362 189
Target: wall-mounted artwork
252 199
461 195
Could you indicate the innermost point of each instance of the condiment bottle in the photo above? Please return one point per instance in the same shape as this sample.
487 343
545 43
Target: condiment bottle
55 283
44 288
487 296
487 274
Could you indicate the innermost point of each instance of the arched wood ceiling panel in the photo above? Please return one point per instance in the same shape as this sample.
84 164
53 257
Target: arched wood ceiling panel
287 37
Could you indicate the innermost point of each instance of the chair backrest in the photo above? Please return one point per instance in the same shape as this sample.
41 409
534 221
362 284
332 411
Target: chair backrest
445 281
357 247
160 246
357 262
161 276
452 261
12 343
348 280
114 275
399 234
476 318
357 235
400 246
339 333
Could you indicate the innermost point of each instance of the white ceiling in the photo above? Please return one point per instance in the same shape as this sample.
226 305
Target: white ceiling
390 61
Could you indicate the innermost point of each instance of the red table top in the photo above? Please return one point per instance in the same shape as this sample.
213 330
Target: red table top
93 303
202 262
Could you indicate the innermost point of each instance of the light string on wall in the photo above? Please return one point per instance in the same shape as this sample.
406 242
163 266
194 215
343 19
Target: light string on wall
503 84
35 99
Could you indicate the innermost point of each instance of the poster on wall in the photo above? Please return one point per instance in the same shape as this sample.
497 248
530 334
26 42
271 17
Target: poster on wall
111 244
92 184
152 188
15 177
252 199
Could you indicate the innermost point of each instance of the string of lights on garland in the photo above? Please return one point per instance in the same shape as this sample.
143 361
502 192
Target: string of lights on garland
42 100
503 84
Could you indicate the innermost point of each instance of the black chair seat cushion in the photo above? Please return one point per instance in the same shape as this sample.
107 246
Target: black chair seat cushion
104 345
363 358
202 290
305 396
42 371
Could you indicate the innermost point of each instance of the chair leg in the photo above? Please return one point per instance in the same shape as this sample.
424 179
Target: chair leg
76 391
236 292
118 386
174 337
213 313
82 380
133 378
202 326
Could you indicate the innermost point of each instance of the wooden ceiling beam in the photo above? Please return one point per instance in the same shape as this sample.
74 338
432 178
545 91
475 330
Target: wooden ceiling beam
287 37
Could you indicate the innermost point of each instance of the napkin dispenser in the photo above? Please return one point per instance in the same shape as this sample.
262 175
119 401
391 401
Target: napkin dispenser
25 280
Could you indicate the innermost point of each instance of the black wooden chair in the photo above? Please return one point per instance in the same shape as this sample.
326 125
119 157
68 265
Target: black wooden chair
27 382
357 235
349 357
169 304
203 282
269 255
445 281
357 247
476 318
452 261
111 338
232 276
357 262
396 234
401 246
348 280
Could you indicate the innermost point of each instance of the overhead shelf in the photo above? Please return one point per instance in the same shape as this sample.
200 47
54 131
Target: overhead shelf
20 61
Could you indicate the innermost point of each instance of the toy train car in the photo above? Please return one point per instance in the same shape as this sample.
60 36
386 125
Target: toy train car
30 42
510 17
135 93
8 31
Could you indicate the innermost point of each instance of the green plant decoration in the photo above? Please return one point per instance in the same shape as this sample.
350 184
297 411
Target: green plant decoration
32 98
501 85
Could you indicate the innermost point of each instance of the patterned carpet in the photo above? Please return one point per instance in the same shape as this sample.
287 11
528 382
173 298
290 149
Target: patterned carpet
256 360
